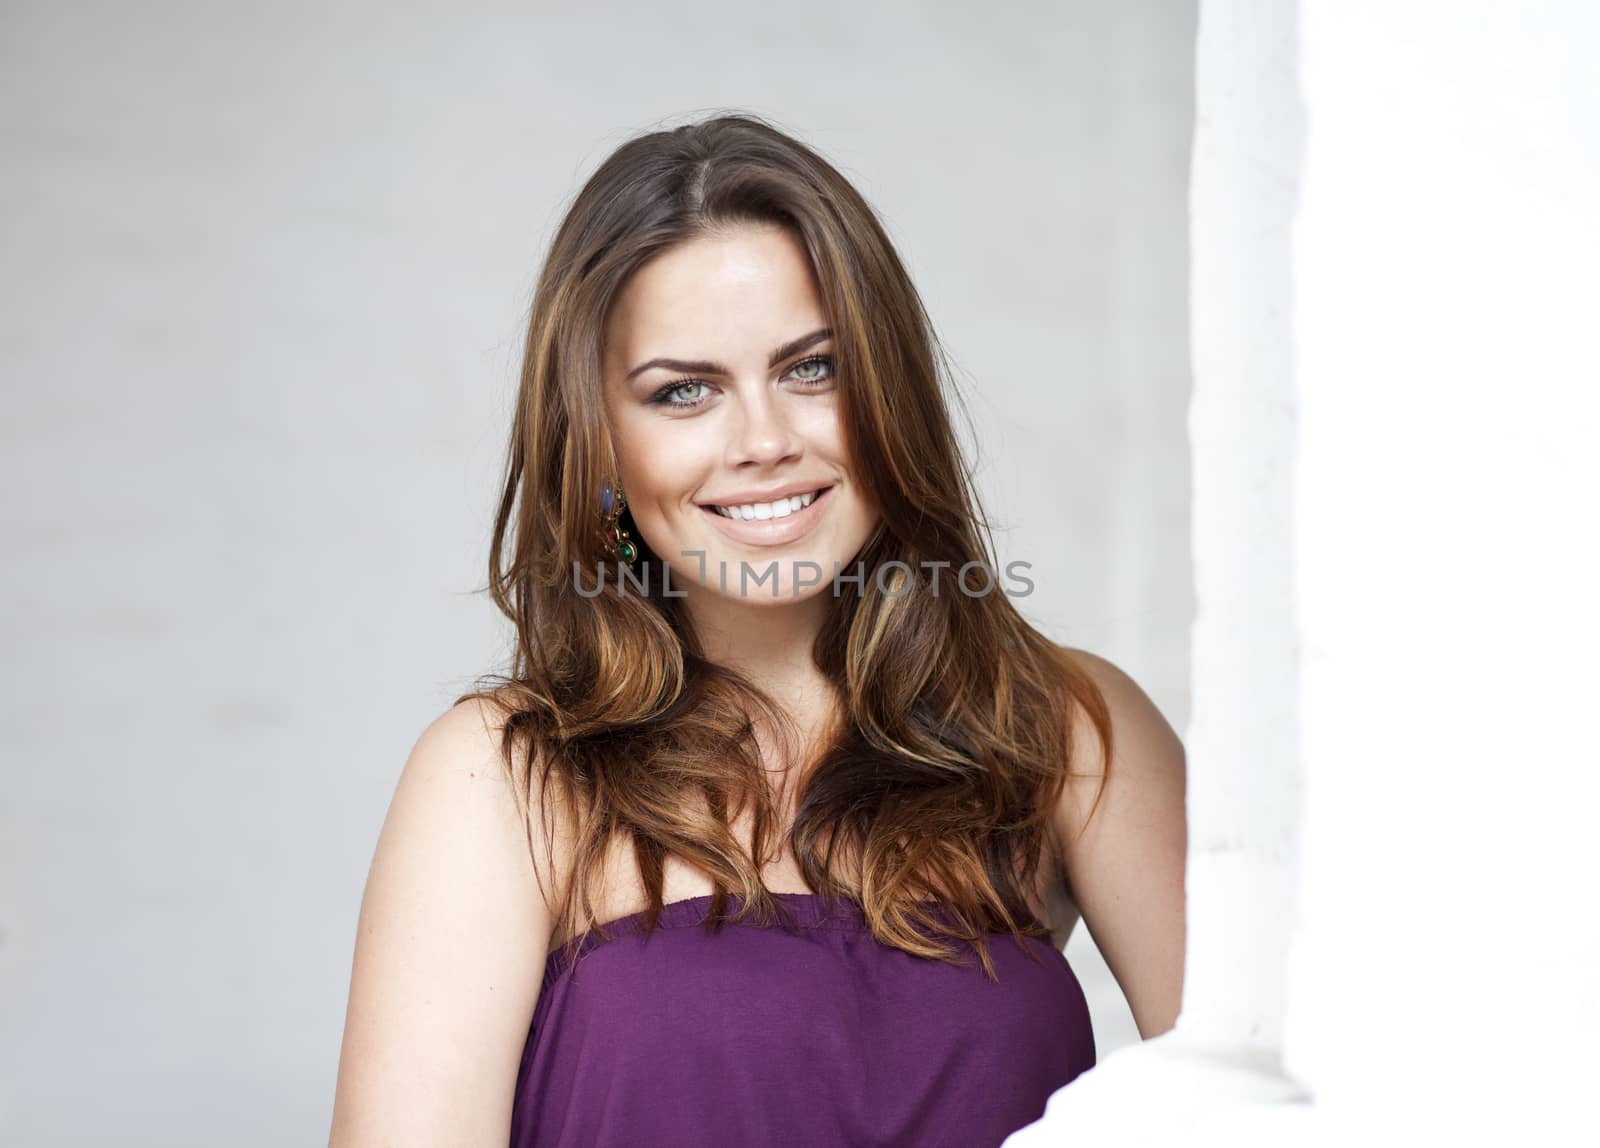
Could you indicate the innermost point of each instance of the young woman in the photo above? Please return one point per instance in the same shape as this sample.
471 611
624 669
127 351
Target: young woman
776 826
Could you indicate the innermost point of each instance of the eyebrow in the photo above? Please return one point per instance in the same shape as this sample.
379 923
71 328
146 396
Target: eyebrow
705 367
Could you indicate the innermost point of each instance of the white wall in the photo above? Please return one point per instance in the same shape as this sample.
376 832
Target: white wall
264 276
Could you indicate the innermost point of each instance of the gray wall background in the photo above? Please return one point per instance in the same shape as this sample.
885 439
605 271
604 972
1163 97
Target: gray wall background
265 275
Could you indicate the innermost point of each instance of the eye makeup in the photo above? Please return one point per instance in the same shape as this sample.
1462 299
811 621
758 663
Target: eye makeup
663 396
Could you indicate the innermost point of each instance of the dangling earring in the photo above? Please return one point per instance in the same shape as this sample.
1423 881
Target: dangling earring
614 540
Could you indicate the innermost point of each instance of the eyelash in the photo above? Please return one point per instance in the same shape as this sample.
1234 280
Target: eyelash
660 397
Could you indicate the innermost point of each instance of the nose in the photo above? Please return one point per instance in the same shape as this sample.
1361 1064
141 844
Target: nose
764 435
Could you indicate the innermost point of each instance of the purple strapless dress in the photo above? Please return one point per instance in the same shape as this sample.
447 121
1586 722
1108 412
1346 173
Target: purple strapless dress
810 1034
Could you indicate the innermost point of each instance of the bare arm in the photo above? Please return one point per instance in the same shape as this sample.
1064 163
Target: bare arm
449 956
1125 865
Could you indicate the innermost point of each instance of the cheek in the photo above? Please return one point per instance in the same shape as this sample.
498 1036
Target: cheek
650 464
820 423
866 518
667 472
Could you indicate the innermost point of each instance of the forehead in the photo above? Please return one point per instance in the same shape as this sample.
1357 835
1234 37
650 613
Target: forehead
739 292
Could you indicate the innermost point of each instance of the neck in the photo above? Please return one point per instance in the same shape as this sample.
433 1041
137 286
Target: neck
769 643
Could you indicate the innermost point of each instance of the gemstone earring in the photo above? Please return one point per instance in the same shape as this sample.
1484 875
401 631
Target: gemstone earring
614 540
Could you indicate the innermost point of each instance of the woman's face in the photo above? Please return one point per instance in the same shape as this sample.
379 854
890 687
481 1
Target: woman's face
722 400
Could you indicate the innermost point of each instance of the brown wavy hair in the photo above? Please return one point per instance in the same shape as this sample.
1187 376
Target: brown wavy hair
951 739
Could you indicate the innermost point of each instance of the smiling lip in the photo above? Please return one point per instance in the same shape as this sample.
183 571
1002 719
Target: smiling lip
772 531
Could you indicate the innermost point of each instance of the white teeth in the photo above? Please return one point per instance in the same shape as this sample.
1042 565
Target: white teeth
760 511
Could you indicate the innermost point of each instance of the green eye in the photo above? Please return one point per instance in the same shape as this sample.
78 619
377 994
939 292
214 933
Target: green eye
815 361
664 395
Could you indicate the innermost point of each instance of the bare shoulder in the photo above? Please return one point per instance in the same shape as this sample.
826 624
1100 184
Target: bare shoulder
458 768
1144 762
1123 831
1141 736
450 948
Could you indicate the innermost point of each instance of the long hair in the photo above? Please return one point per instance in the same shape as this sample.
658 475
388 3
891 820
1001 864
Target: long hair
928 801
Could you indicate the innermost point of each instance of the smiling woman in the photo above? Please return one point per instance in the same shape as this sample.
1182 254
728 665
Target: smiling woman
854 777
754 469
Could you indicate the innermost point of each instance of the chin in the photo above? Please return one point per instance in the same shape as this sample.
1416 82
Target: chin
761 588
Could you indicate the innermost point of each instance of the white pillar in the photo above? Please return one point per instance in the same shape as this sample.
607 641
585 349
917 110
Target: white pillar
1447 296
1244 777
1397 484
